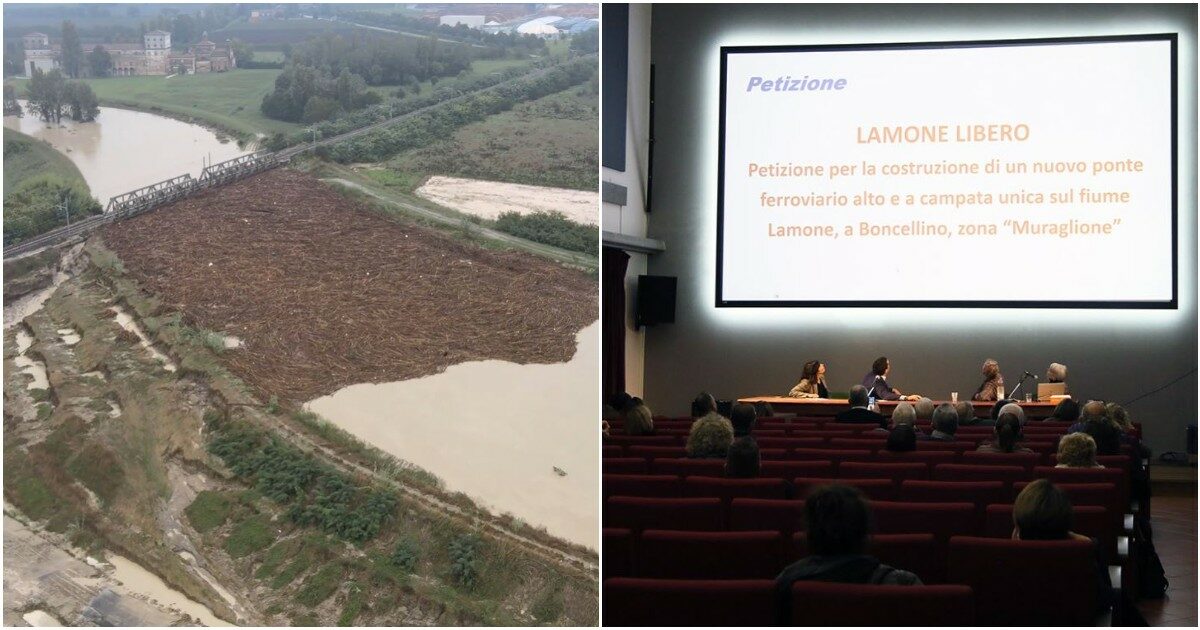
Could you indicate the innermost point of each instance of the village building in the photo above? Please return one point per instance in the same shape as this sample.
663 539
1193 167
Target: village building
150 58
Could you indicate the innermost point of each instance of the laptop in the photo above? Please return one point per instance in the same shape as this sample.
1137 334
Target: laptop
1046 390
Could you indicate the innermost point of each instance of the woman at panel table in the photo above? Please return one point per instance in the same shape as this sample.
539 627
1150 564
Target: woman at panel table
992 382
812 382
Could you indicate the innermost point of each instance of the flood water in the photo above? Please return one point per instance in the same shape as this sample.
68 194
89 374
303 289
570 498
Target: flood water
495 431
143 582
125 149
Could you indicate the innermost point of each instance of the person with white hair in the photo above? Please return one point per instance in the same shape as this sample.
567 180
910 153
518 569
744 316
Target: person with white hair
1014 409
1057 373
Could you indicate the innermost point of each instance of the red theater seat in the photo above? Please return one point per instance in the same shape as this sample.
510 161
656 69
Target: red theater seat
1089 520
943 520
640 513
685 467
979 493
830 604
645 440
790 469
895 471
1114 476
612 450
655 452
786 516
737 555
973 472
1102 494
729 489
1027 583
649 602
641 486
929 458
617 552
830 455
1024 460
869 444
874 489
917 553
623 466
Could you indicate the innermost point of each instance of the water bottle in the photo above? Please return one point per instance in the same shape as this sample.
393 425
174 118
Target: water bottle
871 405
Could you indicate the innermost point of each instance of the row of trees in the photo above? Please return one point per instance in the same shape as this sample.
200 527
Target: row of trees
499 44
439 123
383 60
41 203
52 96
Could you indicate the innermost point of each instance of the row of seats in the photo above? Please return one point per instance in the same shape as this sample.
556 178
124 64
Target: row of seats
994 582
934 455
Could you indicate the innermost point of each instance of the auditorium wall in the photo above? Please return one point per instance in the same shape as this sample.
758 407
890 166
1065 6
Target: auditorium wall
732 352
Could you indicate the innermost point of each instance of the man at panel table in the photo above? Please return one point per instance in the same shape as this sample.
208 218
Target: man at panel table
876 380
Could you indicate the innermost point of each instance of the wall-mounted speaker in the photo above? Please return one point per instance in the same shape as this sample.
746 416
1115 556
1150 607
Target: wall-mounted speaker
655 301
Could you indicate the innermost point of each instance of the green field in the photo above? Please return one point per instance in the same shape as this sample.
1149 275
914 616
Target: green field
26 157
478 67
552 141
272 33
229 100
269 56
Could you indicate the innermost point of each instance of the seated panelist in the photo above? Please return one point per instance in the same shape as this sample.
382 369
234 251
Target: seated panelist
876 380
812 382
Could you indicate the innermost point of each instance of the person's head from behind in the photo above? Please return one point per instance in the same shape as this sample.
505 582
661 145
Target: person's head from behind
1119 416
924 409
1093 411
838 521
903 414
742 416
1057 373
764 409
743 460
1077 450
1000 405
858 396
945 419
1066 410
881 367
1106 434
902 439
638 419
710 436
1008 431
966 412
1015 410
702 404
991 369
621 401
1042 512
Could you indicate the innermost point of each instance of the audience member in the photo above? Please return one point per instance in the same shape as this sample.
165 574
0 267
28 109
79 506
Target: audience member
703 404
639 420
945 423
1094 421
1042 511
966 413
710 437
1067 410
924 409
838 522
992 382
995 414
1008 433
858 411
1077 450
902 439
904 413
742 416
764 410
1014 409
743 461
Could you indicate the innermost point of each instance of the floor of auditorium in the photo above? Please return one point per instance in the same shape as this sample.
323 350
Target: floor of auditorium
1174 520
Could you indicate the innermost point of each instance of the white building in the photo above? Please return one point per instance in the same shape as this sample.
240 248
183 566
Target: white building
472 21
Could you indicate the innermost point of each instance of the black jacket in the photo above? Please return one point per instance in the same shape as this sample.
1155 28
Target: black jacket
863 415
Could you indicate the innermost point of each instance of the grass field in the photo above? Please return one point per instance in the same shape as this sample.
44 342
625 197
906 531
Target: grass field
552 141
26 157
277 32
478 67
229 100
269 56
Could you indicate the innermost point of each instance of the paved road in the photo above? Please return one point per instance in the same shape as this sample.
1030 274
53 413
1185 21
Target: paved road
516 241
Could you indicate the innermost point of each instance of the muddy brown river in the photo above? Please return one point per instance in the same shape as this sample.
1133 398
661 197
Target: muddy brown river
125 149
495 431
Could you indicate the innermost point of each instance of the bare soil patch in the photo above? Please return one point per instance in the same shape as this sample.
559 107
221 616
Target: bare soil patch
491 199
325 293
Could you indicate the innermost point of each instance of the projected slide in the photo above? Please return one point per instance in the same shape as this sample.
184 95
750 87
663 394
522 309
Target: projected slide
1037 173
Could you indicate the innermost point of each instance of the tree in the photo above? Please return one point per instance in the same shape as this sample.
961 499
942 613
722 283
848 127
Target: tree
100 62
242 52
47 94
183 29
14 58
82 102
72 50
11 106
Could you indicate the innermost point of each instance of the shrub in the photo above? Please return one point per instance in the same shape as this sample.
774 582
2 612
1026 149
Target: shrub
405 555
33 207
251 535
320 585
464 551
208 511
551 228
